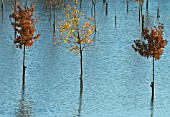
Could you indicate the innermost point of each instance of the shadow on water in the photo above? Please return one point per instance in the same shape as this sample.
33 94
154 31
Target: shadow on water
80 98
152 106
25 107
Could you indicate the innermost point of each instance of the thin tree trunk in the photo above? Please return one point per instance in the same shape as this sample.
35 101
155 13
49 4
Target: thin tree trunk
143 18
106 7
115 14
147 5
81 61
152 107
139 11
94 4
158 10
80 100
2 1
24 66
127 6
54 20
50 12
104 1
153 80
81 3
15 33
2 6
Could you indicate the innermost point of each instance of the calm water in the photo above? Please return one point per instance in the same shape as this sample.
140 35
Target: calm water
116 79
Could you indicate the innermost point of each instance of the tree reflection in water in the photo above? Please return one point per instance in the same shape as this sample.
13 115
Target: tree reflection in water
25 106
152 106
80 98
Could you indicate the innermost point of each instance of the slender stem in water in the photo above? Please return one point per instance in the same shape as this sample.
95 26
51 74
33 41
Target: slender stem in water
158 10
153 82
24 66
115 7
147 5
139 11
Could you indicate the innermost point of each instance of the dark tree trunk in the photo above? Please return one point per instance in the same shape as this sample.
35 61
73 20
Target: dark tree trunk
94 5
139 11
24 66
81 61
50 13
104 2
80 100
153 82
54 30
81 3
143 18
147 5
64 3
127 6
152 107
158 10
115 14
2 9
15 33
2 1
106 8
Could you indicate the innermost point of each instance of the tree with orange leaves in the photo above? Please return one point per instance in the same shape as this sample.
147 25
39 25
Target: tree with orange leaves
152 46
75 32
24 24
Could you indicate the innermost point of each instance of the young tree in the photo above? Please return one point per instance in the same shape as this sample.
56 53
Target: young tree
152 46
75 32
24 24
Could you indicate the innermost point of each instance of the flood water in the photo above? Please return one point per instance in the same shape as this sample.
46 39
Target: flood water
116 78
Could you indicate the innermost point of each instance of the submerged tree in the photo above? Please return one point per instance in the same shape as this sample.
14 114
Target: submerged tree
24 24
152 46
75 32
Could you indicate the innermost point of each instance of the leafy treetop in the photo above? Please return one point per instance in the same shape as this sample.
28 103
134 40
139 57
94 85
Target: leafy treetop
153 43
24 25
74 30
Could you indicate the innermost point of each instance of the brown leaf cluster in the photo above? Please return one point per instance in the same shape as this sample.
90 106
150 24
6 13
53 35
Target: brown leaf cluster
24 25
153 43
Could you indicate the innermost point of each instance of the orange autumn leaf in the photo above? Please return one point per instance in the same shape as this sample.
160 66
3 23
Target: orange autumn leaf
75 47
66 26
87 24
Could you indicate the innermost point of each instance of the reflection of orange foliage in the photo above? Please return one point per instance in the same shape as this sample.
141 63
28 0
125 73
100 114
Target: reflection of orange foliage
24 25
155 43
